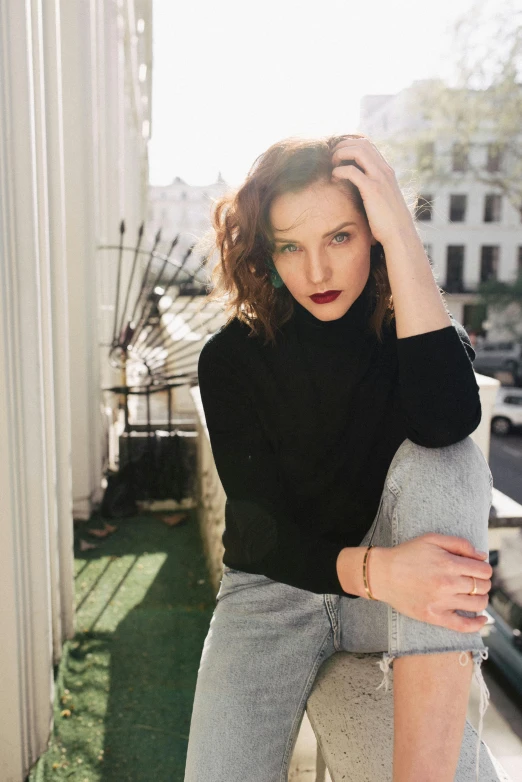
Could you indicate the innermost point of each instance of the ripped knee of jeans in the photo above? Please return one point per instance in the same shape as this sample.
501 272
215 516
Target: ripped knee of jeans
385 665
477 655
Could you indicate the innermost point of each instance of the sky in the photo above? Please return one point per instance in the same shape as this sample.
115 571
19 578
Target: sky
231 77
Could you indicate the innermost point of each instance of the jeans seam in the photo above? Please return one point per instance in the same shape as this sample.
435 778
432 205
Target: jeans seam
393 622
332 609
283 776
393 487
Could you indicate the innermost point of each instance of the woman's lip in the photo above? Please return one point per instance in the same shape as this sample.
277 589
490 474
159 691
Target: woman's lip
325 297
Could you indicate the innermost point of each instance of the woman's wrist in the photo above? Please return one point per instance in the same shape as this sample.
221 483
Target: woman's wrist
350 571
377 572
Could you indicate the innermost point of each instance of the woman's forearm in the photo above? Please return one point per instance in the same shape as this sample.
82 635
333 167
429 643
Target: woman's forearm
417 302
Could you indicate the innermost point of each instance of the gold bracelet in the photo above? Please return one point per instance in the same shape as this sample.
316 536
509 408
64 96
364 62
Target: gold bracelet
365 573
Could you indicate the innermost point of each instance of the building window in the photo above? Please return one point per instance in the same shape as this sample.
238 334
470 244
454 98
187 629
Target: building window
455 268
424 207
494 162
492 208
425 156
489 257
459 157
458 204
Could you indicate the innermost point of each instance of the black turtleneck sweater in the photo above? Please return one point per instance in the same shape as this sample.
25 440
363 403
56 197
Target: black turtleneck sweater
303 432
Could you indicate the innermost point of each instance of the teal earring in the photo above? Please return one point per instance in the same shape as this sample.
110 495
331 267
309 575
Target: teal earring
275 279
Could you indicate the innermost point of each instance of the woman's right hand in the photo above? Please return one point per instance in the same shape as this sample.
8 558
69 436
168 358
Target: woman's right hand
429 577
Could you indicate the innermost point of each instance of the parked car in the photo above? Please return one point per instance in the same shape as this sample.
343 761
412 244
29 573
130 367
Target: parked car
503 632
491 357
507 410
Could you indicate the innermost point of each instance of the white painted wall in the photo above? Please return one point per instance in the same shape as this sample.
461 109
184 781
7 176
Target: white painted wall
64 184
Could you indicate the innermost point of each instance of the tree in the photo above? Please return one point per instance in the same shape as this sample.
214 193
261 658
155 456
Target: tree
473 119
473 123
506 300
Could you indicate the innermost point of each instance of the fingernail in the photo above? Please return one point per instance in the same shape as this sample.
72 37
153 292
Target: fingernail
481 553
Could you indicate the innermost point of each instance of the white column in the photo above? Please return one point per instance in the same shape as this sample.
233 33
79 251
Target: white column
27 445
79 113
62 555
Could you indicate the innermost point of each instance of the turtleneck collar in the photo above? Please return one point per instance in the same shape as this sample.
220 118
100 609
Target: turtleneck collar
355 319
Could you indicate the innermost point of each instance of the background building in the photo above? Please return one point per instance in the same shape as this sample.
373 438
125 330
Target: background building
180 208
470 228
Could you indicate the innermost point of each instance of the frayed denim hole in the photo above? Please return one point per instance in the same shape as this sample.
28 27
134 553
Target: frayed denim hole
478 657
385 665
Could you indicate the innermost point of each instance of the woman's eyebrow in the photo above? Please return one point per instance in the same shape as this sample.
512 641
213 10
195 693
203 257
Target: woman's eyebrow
324 236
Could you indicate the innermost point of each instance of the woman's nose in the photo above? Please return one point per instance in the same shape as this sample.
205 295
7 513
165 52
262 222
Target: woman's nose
317 268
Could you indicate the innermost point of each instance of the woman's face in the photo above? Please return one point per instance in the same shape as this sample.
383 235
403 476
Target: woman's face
322 243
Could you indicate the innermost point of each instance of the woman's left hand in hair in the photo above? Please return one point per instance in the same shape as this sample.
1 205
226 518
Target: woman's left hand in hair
383 200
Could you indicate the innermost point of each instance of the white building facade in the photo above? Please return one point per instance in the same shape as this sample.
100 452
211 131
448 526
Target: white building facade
74 126
182 209
471 230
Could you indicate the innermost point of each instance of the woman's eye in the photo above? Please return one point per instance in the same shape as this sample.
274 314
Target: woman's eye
289 248
343 236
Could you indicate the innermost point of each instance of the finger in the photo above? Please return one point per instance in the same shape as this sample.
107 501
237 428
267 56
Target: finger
362 157
353 174
355 139
454 544
468 566
364 146
347 137
465 585
464 624
475 603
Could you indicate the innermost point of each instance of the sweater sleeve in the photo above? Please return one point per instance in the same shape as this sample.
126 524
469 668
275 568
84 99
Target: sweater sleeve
438 391
260 536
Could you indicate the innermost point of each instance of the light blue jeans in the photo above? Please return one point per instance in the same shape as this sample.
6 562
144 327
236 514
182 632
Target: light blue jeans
267 640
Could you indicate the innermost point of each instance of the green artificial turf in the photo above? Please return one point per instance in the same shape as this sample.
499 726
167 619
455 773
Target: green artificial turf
125 684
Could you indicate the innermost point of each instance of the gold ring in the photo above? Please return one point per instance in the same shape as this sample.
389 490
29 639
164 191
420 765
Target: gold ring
474 590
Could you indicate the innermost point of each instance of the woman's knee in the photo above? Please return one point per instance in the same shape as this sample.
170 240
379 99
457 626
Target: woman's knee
461 464
446 490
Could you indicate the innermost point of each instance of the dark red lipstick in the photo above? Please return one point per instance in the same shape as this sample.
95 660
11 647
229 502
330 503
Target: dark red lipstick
326 297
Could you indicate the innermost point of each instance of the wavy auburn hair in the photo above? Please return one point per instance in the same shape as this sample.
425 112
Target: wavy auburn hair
243 237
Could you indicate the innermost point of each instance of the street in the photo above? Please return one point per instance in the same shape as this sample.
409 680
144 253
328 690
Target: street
504 721
505 462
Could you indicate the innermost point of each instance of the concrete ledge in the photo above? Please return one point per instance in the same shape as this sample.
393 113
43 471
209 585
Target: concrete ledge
353 725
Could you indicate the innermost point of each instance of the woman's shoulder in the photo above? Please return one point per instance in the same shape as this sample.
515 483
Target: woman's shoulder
231 340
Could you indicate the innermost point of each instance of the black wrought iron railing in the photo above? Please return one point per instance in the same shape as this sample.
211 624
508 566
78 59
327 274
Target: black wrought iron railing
161 321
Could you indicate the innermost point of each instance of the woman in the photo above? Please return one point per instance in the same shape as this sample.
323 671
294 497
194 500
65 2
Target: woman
339 399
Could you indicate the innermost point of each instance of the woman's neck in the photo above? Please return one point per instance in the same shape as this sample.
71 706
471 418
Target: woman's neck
355 318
